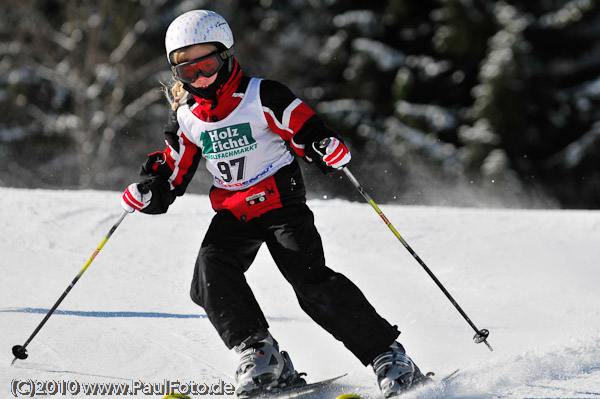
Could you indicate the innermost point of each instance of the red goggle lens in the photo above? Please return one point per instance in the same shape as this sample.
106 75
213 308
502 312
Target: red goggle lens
206 66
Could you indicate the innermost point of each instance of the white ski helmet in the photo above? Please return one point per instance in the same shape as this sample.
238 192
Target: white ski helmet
197 27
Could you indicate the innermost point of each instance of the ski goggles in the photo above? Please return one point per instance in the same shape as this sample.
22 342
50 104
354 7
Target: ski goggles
207 66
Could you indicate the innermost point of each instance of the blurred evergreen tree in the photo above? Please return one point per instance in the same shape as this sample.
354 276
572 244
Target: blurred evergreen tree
456 102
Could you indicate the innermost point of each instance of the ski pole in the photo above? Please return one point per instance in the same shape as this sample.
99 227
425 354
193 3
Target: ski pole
19 350
480 335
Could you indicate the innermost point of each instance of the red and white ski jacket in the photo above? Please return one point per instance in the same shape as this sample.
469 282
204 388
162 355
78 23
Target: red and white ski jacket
244 136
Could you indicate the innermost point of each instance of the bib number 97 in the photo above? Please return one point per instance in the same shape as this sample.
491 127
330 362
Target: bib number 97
234 167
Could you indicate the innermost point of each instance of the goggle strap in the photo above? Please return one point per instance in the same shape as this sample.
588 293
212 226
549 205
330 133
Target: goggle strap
227 53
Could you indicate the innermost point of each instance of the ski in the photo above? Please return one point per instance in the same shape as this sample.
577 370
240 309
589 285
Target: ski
295 391
318 389
282 393
452 374
425 383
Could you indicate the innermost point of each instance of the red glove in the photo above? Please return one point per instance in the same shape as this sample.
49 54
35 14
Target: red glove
134 200
337 155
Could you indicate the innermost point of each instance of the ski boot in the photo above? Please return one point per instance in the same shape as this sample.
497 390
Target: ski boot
263 368
396 372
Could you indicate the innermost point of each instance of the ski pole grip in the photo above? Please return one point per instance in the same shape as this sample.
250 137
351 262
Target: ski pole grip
143 188
320 146
324 143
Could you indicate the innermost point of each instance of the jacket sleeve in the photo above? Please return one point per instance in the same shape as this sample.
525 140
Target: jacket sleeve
170 171
290 118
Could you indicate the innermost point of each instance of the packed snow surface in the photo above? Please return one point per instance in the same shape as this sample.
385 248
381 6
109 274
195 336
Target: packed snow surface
529 276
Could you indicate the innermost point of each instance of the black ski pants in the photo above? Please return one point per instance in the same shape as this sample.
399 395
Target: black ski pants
329 298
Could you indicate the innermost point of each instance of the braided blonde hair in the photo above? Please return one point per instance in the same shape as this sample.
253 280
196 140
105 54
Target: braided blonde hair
175 94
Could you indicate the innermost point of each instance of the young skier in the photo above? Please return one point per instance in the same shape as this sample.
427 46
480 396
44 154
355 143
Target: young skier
241 126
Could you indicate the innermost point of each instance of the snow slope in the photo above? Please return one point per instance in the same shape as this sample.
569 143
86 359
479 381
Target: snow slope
530 277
